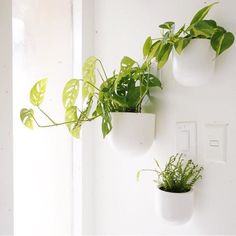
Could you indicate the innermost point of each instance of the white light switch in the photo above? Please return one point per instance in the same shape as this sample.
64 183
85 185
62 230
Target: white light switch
186 139
215 143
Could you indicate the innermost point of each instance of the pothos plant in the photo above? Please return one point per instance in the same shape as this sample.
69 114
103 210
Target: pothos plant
123 91
178 176
199 28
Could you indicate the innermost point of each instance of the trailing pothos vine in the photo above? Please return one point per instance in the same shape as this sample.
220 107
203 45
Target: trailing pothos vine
199 28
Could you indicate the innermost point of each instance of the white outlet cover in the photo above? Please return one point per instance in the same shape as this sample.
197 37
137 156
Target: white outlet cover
186 139
216 142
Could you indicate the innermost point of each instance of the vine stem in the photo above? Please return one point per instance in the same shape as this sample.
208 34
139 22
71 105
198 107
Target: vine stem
92 85
63 123
103 69
46 115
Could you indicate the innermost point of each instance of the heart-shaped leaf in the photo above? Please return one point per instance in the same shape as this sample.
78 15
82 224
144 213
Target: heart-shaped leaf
221 41
38 91
70 93
27 117
205 28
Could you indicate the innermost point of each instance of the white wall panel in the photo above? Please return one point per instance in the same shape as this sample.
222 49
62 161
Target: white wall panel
120 204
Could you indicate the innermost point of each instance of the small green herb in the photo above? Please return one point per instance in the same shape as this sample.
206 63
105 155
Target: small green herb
178 175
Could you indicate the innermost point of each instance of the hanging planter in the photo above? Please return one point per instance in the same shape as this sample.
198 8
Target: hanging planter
194 47
117 101
132 133
195 65
174 198
176 208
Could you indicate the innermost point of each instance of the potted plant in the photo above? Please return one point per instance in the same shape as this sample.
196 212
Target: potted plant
193 47
175 195
117 101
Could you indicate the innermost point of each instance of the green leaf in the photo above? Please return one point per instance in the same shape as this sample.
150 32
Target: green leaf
106 121
147 46
221 29
71 116
70 93
127 62
200 15
89 77
125 66
179 32
181 44
221 41
167 25
151 81
106 125
154 49
27 117
163 55
204 28
133 96
38 91
125 69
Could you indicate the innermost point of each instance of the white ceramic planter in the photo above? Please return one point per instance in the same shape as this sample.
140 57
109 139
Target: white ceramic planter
132 133
176 208
195 65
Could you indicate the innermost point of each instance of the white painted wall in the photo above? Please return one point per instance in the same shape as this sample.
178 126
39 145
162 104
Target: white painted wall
6 139
42 158
122 206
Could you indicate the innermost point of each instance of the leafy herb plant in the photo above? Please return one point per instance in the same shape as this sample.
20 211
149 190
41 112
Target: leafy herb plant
124 91
178 176
199 28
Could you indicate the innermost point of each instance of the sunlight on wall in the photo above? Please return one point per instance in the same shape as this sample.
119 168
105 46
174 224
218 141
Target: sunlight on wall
42 158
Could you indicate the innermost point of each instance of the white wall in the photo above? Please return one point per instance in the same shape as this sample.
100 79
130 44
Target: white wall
42 158
6 140
120 204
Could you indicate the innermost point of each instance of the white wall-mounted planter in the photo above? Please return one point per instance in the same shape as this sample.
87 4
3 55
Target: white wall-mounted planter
132 133
195 65
176 208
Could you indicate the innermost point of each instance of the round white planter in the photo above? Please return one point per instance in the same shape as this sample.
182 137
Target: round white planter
176 208
132 133
195 65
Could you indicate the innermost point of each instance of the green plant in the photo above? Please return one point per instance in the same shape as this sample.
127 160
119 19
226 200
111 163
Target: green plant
124 91
178 175
199 28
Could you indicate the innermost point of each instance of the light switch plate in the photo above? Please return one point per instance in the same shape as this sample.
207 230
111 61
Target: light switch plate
216 142
186 139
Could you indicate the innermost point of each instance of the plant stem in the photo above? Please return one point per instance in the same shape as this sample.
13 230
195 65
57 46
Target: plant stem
63 123
92 85
46 115
103 69
100 75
